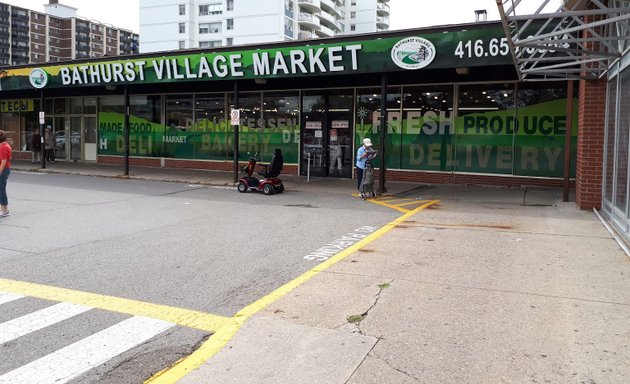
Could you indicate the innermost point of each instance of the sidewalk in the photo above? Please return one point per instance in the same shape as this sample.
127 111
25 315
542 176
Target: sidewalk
491 285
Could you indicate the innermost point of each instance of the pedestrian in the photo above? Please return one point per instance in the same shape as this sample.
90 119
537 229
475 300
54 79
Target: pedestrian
362 154
367 184
49 141
5 169
36 147
336 158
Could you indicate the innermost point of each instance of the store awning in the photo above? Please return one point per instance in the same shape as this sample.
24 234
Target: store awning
580 39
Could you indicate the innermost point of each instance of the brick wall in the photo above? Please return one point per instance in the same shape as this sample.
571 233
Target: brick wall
392 175
590 144
288 169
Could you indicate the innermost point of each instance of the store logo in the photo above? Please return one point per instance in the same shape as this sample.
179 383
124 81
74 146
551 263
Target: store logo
413 53
38 78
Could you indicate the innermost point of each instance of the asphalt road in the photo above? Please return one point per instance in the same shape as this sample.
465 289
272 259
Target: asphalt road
191 247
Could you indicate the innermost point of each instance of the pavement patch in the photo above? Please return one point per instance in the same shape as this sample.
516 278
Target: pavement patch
325 355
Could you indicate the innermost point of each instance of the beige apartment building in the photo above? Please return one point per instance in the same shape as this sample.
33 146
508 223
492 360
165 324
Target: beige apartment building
57 34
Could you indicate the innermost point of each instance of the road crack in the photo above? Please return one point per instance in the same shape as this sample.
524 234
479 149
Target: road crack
357 319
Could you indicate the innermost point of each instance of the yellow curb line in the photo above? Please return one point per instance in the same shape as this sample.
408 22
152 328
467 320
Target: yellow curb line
180 316
231 327
389 200
412 202
403 210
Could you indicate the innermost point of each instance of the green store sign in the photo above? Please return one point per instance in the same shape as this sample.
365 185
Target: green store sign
481 47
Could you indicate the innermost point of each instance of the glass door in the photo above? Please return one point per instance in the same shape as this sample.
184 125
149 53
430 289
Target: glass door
89 138
314 135
60 131
76 128
327 134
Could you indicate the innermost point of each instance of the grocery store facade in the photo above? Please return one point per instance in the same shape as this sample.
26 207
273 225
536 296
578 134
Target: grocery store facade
454 110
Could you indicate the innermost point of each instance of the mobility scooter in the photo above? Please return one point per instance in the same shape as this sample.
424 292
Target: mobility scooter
270 183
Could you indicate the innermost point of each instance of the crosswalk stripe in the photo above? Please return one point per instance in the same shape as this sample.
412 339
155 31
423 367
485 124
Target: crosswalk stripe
70 362
6 297
32 322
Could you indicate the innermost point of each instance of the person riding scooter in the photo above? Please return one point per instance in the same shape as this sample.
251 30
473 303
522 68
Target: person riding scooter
270 183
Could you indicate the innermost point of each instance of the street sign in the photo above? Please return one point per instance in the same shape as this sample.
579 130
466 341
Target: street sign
235 116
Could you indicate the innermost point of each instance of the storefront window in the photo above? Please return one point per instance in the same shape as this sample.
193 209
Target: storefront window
111 131
212 130
60 106
89 105
313 103
48 105
112 104
179 118
76 105
426 128
485 129
611 120
539 137
179 111
250 129
19 118
623 135
146 132
281 125
368 120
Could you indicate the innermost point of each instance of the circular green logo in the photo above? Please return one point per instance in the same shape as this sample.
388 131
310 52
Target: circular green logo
413 53
38 78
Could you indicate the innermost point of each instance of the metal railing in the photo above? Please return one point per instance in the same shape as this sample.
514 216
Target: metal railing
578 40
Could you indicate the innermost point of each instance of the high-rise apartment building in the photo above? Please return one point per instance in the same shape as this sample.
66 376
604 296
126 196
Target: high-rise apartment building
182 24
27 36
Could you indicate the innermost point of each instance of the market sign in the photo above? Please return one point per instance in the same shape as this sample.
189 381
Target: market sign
467 48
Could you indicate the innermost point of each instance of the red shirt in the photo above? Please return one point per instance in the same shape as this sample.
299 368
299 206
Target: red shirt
5 154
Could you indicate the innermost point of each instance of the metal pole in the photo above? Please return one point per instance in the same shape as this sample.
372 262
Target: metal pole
308 168
126 123
567 143
235 127
41 128
381 181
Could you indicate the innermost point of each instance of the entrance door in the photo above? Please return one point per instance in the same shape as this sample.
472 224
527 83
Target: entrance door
340 157
60 131
76 128
327 144
89 138
327 134
314 135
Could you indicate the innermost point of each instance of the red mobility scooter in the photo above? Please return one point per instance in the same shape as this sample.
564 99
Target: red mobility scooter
270 183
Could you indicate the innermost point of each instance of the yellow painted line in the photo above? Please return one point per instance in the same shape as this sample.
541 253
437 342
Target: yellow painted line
412 202
388 200
180 316
403 210
231 327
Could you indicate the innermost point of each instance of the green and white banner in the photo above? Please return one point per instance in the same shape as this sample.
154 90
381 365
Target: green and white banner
205 140
466 48
528 141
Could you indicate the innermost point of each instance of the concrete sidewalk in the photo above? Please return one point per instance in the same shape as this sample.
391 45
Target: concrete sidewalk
491 285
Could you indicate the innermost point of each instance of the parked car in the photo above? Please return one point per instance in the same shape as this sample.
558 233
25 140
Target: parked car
60 139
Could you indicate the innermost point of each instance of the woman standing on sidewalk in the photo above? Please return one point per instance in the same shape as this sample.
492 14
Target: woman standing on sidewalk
5 170
49 142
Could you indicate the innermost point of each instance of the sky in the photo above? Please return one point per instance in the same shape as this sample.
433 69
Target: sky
403 13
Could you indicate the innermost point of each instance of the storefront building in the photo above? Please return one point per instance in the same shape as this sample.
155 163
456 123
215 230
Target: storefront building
455 110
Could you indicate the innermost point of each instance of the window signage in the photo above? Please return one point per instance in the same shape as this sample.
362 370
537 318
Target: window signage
17 105
466 48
